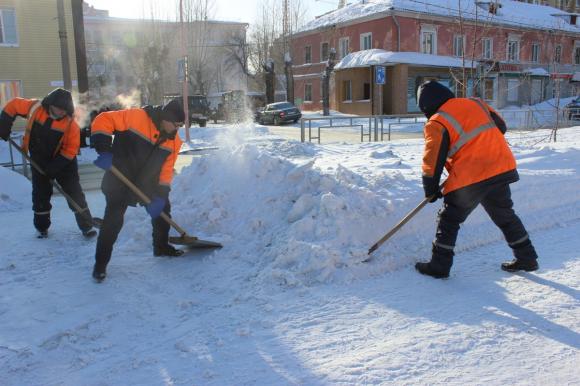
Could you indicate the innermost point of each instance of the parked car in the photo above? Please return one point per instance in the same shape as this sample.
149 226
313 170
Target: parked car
573 109
278 113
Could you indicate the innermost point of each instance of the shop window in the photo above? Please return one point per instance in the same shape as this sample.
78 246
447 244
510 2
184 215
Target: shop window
347 90
366 91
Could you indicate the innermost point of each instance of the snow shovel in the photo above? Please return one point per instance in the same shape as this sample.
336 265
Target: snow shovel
95 221
403 221
184 238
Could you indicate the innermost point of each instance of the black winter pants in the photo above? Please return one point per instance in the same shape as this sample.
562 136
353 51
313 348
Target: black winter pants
497 202
112 224
68 179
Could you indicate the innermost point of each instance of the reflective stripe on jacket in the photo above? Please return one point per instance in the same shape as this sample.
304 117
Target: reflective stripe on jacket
45 138
477 148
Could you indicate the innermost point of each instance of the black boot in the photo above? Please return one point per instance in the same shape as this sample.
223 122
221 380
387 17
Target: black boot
167 250
99 274
520 265
426 269
42 234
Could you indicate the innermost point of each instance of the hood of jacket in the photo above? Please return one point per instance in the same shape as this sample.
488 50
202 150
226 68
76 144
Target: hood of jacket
156 115
60 98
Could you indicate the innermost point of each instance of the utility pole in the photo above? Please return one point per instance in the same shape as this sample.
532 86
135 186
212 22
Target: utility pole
185 72
81 53
63 45
286 36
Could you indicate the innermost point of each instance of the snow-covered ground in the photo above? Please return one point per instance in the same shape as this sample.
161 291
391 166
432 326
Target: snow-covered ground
288 300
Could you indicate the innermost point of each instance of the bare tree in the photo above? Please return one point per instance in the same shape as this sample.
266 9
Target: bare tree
203 57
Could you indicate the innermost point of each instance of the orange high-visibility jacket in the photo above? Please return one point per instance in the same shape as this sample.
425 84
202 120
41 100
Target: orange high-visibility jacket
477 148
137 149
61 137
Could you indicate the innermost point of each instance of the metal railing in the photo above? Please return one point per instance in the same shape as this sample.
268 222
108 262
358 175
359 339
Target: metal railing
13 164
377 127
371 127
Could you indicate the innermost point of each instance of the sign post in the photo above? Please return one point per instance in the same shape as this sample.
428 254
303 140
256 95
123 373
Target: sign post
380 78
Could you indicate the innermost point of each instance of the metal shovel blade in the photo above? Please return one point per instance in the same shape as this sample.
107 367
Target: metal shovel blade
193 242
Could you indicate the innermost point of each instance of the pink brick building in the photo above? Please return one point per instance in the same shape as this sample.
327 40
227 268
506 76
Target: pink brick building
511 54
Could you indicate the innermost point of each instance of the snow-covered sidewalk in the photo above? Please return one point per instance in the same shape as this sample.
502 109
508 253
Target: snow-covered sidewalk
287 300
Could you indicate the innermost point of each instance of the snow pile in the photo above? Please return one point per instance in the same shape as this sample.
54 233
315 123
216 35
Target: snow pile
300 223
15 190
298 220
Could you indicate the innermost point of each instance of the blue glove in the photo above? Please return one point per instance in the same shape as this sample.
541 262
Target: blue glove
104 160
155 207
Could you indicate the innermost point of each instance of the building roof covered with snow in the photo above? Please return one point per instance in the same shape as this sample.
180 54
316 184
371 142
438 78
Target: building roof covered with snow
381 57
513 13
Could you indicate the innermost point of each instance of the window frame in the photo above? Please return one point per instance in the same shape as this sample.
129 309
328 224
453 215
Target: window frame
306 87
558 54
576 53
3 42
536 47
344 89
308 54
516 41
456 40
431 30
322 58
363 38
342 54
484 52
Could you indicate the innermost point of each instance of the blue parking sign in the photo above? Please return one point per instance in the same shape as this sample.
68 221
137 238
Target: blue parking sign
380 74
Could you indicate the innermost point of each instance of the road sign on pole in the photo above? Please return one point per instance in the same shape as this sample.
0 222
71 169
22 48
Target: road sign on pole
380 74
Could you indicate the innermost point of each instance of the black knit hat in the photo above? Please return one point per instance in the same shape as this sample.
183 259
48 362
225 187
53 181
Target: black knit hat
173 111
60 98
431 95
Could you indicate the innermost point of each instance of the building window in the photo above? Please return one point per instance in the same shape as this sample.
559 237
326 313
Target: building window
558 54
577 54
324 52
307 54
513 50
342 47
487 47
458 45
535 53
308 92
8 34
512 91
366 91
488 89
366 41
428 40
346 90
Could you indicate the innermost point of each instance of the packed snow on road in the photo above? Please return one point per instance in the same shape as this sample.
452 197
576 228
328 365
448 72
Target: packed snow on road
288 299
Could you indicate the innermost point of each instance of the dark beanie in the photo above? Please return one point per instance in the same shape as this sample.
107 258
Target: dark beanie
173 111
431 95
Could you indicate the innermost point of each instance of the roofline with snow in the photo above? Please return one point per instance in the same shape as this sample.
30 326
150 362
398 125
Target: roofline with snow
416 15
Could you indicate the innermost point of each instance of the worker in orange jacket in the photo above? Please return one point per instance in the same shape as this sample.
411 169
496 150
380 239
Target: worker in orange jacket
466 136
52 138
144 149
